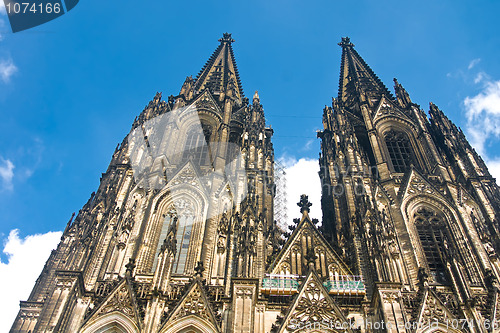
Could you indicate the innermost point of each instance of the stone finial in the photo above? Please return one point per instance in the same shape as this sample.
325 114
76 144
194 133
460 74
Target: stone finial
304 204
226 38
130 266
402 95
423 277
256 98
491 280
199 269
346 41
311 257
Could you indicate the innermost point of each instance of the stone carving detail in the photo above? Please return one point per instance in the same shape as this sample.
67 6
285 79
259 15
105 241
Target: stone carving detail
205 103
418 185
434 311
390 297
313 306
120 301
187 176
193 305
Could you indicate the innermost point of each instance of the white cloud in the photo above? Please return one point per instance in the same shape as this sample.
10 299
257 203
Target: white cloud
308 145
27 257
2 25
2 22
7 69
6 173
302 178
494 167
483 115
480 77
473 63
483 118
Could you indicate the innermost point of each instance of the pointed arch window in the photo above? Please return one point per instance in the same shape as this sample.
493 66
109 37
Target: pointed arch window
196 148
185 219
431 232
400 150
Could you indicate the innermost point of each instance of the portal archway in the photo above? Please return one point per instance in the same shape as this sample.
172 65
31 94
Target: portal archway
114 322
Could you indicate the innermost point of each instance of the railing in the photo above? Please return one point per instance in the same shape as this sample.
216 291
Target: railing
289 284
280 284
346 285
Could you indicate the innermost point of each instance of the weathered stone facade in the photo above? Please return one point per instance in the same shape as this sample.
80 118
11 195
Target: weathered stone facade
410 206
180 236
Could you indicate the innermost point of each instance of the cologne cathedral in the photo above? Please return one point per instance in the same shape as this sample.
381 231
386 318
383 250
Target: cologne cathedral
180 235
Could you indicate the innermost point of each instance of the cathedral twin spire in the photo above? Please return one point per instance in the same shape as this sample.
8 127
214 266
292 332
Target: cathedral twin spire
220 73
356 75
204 267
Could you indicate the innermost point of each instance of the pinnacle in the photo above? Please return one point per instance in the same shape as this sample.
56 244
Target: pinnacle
226 38
304 203
220 73
354 71
346 42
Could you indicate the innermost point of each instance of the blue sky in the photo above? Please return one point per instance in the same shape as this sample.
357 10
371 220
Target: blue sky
70 89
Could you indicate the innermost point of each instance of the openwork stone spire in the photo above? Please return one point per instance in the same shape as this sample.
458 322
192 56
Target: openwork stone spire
356 75
220 74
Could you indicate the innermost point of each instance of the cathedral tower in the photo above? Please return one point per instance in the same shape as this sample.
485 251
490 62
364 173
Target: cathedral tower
409 205
182 219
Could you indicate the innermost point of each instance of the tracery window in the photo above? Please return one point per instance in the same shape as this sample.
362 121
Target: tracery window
432 234
196 148
184 212
400 150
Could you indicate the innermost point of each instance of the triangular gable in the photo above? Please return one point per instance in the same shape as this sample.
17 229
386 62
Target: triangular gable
205 101
193 303
238 116
416 184
433 310
313 308
386 108
187 175
306 227
120 299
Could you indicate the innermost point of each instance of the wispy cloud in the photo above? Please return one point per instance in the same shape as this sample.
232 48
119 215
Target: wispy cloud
2 21
480 77
6 174
308 145
473 63
7 69
33 156
26 257
483 115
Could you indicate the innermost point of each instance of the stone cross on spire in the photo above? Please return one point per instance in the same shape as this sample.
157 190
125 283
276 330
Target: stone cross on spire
346 41
304 204
226 38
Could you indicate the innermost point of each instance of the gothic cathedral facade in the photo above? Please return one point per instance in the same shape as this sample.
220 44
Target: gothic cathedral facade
180 235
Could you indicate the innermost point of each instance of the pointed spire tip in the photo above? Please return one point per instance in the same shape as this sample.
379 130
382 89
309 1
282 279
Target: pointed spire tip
346 41
256 97
226 38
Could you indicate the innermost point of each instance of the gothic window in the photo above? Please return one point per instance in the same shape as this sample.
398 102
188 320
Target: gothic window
196 148
400 151
431 232
185 219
